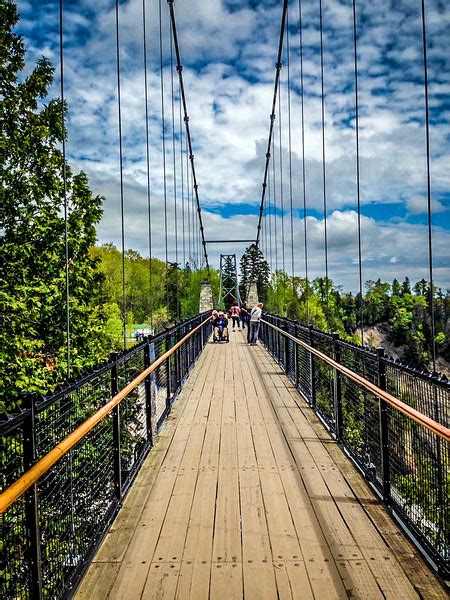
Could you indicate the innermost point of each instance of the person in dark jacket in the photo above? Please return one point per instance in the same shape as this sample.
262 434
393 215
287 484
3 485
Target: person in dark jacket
220 324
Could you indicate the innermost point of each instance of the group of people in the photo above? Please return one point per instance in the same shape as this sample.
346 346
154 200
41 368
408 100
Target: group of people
239 314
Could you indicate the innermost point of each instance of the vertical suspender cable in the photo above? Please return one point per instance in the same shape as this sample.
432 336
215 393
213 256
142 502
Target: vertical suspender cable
163 127
427 138
147 147
66 245
358 189
280 128
183 228
305 222
188 199
174 175
269 192
64 173
324 181
288 62
122 214
275 206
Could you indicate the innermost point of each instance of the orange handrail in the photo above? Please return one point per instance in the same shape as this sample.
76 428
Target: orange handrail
19 487
440 430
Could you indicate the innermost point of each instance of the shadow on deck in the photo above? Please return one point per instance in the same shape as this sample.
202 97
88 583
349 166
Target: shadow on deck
246 495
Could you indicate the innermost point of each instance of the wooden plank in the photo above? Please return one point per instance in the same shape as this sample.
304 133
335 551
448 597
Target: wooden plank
245 495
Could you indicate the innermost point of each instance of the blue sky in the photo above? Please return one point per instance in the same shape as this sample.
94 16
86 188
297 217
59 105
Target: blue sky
228 52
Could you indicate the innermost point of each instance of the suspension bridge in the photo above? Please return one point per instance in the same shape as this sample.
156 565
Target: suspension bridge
304 467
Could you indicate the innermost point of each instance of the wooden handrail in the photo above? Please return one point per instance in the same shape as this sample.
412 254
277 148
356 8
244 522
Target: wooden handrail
412 413
19 487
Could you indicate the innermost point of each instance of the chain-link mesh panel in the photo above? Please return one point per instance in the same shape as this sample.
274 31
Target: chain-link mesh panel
133 412
15 575
421 391
304 364
360 411
323 378
419 467
79 495
410 464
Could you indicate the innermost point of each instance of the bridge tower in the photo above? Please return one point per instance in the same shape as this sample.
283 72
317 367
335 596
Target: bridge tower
229 284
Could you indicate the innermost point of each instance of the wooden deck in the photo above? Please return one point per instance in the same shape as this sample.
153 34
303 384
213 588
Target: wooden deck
245 495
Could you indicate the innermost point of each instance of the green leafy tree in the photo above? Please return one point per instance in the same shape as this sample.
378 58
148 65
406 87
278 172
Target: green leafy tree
32 251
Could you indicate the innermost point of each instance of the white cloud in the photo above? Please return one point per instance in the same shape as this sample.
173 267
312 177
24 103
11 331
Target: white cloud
419 205
228 51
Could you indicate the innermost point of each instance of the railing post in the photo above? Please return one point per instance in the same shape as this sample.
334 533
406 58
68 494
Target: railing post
148 391
286 349
177 360
168 372
297 377
312 368
384 428
32 498
337 388
116 429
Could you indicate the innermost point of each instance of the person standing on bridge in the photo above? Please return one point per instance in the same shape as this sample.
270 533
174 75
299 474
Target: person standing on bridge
235 314
255 322
244 316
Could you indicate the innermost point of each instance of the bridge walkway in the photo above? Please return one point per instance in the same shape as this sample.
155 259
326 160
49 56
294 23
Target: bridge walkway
245 495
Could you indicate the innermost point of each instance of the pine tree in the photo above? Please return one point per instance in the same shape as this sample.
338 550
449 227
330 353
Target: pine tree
254 268
32 249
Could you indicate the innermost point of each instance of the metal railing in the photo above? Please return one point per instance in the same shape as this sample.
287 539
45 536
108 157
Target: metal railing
391 420
67 460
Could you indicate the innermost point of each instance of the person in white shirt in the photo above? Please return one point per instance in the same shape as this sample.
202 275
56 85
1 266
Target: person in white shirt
255 322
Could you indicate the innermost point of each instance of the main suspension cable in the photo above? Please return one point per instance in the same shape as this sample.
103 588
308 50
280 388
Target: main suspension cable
122 208
272 117
147 148
64 174
188 133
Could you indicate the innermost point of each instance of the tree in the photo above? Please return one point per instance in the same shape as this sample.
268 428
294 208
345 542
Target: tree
254 268
32 251
229 278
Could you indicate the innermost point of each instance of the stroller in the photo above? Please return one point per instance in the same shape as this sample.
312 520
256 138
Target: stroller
221 335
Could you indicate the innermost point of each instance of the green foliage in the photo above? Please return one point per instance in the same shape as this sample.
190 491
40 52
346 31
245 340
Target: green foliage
32 253
406 313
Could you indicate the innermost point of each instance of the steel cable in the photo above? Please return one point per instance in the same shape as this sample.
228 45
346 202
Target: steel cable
65 201
305 221
174 174
188 133
355 51
183 229
324 181
429 211
122 208
163 128
147 148
288 64
280 129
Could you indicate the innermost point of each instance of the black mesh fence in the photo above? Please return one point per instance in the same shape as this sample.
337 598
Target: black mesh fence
406 462
50 533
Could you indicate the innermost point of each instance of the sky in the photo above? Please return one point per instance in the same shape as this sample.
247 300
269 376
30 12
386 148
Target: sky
228 51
